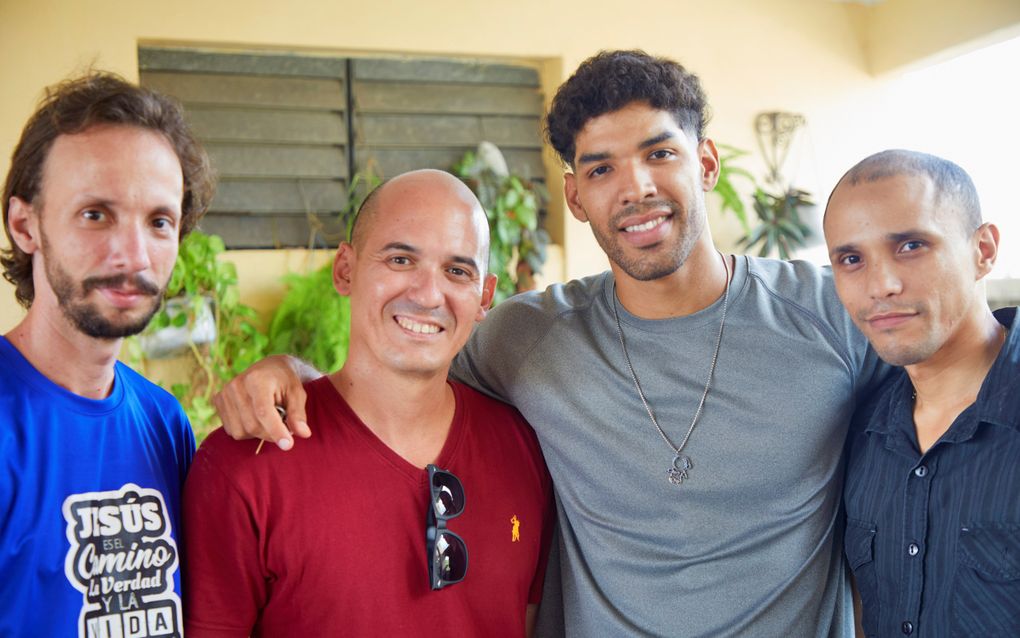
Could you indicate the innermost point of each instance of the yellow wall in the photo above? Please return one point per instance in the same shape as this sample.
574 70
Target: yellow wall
901 33
752 55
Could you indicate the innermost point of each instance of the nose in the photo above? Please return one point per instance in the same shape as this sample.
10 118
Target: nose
882 280
638 183
129 248
426 288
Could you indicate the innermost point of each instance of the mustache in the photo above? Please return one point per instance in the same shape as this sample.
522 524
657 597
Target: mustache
642 207
138 282
405 307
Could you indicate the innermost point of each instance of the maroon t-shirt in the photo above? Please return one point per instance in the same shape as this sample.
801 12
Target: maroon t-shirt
329 538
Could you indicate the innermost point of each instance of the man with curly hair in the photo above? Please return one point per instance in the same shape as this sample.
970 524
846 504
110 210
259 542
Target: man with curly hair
103 183
691 406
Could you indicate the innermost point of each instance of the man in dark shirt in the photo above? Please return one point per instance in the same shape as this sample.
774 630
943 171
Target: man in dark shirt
933 479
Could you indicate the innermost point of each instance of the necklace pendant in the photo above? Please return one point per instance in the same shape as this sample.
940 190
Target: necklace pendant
678 473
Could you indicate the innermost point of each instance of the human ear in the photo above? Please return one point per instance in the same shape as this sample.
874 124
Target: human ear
708 157
573 199
488 293
986 247
342 266
23 225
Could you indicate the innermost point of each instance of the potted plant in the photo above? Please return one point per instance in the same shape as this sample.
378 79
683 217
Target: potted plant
781 229
203 290
725 186
517 245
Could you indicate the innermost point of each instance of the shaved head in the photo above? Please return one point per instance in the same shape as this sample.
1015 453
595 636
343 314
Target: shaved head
405 189
954 189
415 271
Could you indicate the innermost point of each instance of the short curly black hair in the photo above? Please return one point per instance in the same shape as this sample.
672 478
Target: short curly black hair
609 81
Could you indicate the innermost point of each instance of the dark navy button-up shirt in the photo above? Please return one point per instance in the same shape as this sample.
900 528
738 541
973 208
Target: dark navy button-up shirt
934 539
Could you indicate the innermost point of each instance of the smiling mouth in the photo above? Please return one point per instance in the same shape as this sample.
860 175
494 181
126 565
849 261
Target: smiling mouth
648 225
417 327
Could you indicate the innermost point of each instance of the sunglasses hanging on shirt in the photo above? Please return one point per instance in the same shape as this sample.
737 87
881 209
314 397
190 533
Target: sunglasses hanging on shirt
447 555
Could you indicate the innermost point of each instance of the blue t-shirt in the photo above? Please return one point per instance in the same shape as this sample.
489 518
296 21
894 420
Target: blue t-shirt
89 506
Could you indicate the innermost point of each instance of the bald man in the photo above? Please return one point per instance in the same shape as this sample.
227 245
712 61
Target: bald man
367 529
933 518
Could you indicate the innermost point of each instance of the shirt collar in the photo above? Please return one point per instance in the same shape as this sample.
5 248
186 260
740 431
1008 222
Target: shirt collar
998 401
893 414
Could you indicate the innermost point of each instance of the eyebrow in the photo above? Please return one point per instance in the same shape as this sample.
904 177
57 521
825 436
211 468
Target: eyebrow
88 200
396 245
408 248
589 158
907 234
465 261
843 248
658 139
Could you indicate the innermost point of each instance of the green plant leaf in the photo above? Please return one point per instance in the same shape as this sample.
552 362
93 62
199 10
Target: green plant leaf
512 205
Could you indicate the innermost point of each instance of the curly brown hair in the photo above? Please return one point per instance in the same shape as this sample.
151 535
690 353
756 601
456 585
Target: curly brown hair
75 105
609 81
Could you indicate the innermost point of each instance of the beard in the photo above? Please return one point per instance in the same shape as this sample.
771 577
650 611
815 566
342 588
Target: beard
666 259
86 316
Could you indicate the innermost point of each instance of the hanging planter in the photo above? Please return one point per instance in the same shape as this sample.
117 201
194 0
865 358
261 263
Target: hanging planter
177 338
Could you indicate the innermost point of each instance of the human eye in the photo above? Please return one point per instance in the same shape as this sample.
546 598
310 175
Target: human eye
163 223
460 272
598 171
400 260
911 246
661 154
93 214
849 259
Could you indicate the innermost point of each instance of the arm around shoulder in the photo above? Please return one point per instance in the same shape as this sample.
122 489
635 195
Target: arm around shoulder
247 405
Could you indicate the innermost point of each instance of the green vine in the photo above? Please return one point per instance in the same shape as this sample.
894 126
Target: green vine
201 279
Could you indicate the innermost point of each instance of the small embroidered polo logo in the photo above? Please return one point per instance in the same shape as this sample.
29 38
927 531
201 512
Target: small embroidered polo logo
515 533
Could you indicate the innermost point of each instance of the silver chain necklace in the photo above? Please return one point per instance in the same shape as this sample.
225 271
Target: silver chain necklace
681 462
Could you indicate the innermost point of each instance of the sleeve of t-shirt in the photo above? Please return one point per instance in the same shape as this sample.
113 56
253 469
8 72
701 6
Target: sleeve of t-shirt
492 357
869 371
224 583
188 448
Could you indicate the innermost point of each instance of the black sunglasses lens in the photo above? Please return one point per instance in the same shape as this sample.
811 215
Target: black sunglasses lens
445 551
447 494
450 558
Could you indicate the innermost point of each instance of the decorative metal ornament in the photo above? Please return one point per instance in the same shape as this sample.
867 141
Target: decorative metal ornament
678 473
775 131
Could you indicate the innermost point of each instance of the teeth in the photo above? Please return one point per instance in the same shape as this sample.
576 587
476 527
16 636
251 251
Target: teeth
645 226
414 326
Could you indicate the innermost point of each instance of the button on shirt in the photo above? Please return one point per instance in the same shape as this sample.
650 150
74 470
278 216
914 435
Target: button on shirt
934 539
